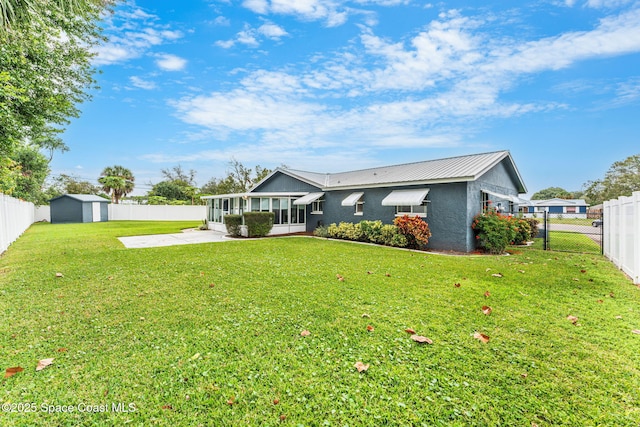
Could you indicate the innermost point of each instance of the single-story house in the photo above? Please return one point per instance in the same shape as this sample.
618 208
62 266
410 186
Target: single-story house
447 193
568 208
78 208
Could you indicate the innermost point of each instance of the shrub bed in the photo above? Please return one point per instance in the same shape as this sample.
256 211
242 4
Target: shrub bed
365 231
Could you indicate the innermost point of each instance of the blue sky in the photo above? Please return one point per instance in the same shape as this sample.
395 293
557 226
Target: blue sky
335 85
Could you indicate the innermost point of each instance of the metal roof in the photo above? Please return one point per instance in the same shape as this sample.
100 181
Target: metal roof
452 169
560 202
84 198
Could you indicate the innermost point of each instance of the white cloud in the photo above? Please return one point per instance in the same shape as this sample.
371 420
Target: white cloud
222 21
141 83
131 33
455 71
332 12
272 31
252 37
170 62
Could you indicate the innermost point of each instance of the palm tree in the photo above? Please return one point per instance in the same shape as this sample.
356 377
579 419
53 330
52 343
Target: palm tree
116 181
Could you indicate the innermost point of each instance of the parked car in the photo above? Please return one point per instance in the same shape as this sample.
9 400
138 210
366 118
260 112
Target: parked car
597 223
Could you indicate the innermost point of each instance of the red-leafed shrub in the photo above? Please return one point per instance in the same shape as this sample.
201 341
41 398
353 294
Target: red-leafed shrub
414 229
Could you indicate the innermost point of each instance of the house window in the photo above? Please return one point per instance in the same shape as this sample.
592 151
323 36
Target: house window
419 210
280 209
317 207
298 214
486 203
360 206
571 209
260 204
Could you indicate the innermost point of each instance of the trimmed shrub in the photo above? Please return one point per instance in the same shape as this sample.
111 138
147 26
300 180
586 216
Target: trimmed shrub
233 223
523 231
494 232
533 224
414 229
259 224
371 231
345 230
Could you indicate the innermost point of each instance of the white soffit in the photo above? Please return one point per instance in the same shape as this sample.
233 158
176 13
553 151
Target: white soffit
405 197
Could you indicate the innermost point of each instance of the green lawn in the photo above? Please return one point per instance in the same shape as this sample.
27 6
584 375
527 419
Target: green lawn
210 334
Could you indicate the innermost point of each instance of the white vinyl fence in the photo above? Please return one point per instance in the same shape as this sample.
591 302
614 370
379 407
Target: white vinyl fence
622 234
156 213
15 217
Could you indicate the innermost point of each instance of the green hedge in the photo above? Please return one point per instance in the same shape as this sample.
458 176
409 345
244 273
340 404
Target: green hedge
259 224
365 231
233 223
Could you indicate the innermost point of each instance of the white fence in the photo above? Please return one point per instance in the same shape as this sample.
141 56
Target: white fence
15 217
156 213
622 234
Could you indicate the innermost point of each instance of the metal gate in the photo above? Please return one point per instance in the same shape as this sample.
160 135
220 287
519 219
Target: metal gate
569 234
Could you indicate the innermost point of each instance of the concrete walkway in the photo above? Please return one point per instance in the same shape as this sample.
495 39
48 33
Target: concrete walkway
187 237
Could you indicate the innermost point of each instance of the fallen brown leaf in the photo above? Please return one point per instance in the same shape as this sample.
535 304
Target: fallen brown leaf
44 363
572 319
276 401
482 337
636 331
524 375
486 310
387 274
457 285
487 294
370 328
59 275
12 371
365 315
168 407
497 275
420 339
410 331
305 333
62 350
361 366
231 401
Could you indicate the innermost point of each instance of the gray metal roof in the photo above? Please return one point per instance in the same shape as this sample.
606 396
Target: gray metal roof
452 169
84 198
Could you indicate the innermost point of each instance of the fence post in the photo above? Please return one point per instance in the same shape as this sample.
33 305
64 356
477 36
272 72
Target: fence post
636 237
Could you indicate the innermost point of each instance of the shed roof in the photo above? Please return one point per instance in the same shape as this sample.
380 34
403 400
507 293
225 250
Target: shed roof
83 198
452 169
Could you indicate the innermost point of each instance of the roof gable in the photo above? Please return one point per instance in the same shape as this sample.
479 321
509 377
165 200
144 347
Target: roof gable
83 198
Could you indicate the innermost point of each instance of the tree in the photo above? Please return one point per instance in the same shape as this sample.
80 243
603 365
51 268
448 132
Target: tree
117 181
551 193
178 186
45 71
239 179
68 184
173 190
45 67
622 179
